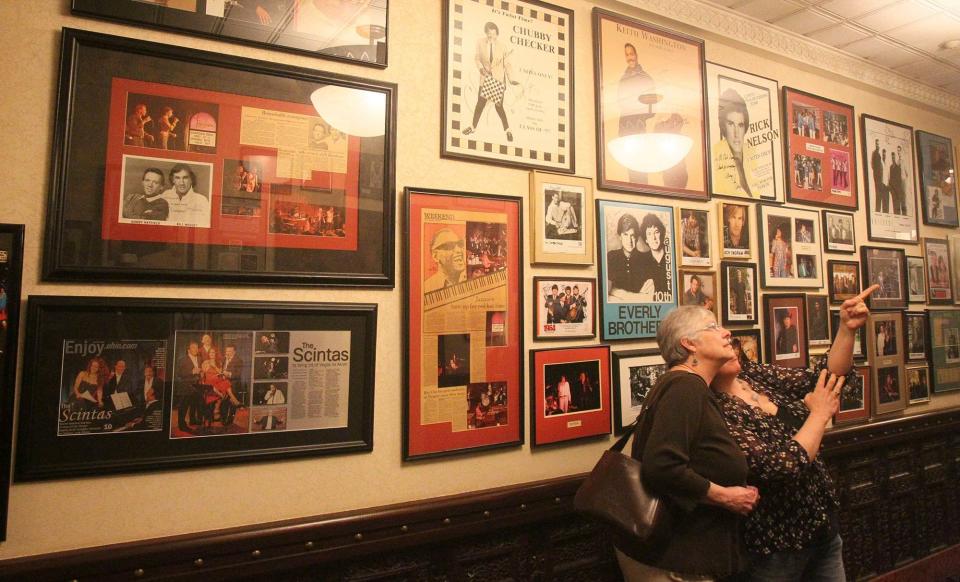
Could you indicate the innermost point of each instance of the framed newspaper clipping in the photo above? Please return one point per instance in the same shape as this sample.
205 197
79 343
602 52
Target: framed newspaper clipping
11 273
353 32
638 269
508 83
890 176
115 385
938 179
569 394
821 158
561 219
746 153
651 119
464 323
186 166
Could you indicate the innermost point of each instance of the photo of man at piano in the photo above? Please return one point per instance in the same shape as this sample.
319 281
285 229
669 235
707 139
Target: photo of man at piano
486 248
486 404
453 360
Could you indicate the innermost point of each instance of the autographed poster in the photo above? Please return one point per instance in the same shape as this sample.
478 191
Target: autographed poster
746 152
821 156
508 83
890 178
638 268
649 84
463 388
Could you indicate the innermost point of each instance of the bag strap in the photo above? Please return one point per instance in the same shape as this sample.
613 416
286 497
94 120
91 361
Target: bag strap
633 427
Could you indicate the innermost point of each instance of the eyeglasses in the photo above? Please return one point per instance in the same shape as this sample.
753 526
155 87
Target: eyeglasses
712 327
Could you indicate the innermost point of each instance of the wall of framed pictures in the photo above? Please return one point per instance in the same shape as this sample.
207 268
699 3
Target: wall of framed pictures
728 259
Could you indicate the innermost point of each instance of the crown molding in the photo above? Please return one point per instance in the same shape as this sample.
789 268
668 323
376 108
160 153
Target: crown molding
757 33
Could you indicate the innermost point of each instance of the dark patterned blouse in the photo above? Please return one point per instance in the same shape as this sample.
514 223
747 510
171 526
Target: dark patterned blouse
797 502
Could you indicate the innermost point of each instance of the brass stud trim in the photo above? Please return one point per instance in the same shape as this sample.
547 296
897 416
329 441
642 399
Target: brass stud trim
198 562
308 545
255 554
138 572
358 537
446 521
404 528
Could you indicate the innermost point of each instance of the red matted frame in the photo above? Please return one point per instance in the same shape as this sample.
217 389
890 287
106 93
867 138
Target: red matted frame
855 395
836 189
567 424
476 321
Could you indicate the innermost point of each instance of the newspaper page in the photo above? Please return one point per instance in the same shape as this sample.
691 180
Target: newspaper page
305 144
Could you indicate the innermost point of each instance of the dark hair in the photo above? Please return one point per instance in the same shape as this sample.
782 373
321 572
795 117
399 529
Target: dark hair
626 222
625 45
732 102
491 26
696 278
156 171
180 168
652 220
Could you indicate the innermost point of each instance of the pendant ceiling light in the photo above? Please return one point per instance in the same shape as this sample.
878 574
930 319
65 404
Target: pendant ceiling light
650 152
352 111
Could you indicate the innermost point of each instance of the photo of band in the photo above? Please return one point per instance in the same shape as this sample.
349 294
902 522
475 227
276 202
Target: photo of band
571 387
565 307
890 177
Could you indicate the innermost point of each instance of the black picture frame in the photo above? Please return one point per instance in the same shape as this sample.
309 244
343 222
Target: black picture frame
815 318
773 305
831 246
624 415
244 27
935 176
11 274
887 297
309 236
836 295
911 321
892 133
859 347
61 418
726 297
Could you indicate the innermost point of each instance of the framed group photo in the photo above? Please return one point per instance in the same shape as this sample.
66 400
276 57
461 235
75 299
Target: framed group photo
240 173
566 307
885 347
561 216
839 234
785 315
888 269
464 323
746 150
508 84
889 178
735 220
739 297
651 118
790 248
938 179
820 152
936 255
635 372
844 280
570 394
115 385
944 348
354 32
638 272
11 278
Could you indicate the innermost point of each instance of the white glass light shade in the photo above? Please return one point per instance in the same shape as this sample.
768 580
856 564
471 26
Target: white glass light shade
650 152
352 111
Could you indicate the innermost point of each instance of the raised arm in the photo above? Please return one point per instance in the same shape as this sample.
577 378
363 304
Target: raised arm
853 315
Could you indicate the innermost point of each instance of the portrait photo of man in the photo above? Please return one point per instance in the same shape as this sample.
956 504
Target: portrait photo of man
736 231
148 203
448 251
787 344
188 207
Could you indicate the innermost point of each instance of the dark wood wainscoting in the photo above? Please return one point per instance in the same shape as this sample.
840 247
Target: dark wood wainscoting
899 482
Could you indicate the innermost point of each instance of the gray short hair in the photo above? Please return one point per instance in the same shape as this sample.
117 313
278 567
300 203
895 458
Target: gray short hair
682 322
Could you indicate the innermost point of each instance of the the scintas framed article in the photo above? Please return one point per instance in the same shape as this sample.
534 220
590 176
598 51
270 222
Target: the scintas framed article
115 385
464 323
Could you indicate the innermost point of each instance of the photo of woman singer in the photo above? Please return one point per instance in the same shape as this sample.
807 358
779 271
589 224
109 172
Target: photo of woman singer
690 460
778 416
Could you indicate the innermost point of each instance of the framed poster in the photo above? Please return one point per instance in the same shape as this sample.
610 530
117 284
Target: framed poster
818 324
786 320
839 235
860 337
353 32
650 108
115 385
938 182
917 333
638 274
699 288
936 255
945 349
747 344
735 230
566 307
953 241
11 273
570 392
820 153
695 240
889 171
916 277
739 298
855 399
844 280
508 83
790 254
888 269
464 323
885 353
635 372
918 383
561 209
230 177
746 153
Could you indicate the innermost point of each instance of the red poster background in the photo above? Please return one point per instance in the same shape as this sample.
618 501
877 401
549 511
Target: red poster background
224 229
554 429
502 363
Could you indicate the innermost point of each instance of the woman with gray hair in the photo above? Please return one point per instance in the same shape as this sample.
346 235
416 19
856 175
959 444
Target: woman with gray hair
690 460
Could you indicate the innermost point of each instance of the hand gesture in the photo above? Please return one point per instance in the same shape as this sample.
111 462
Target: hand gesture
824 400
854 312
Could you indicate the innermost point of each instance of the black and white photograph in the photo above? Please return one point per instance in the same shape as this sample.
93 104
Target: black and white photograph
839 235
562 221
917 282
885 267
918 383
571 387
165 192
818 320
735 220
635 372
739 297
695 237
453 355
890 175
917 326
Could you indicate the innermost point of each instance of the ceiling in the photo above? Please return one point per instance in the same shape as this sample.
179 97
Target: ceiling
901 35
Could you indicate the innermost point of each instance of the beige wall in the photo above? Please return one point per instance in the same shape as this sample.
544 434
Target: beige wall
68 514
